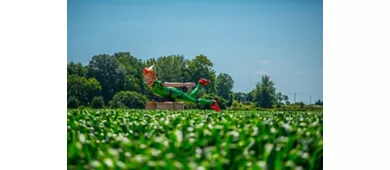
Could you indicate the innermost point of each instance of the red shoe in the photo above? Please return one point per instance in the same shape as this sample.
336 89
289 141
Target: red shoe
215 106
204 82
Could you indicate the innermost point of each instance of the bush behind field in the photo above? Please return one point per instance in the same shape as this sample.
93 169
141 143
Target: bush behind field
292 107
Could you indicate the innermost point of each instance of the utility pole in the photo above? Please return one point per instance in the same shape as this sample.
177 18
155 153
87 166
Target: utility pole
294 97
310 100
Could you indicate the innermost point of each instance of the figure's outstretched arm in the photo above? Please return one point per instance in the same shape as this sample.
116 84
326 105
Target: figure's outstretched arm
176 84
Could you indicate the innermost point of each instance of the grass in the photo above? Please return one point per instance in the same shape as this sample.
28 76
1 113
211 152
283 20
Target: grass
194 139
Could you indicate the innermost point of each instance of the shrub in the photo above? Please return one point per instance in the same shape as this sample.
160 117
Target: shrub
128 99
97 102
73 102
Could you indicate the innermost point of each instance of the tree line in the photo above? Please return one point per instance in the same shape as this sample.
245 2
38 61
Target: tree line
115 81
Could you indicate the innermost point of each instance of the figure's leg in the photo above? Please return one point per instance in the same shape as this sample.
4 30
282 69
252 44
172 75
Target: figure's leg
201 83
179 95
195 92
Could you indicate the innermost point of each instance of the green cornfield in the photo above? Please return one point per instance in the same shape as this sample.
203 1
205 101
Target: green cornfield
194 139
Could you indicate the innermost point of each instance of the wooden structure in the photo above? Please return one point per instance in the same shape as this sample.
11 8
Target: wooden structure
164 106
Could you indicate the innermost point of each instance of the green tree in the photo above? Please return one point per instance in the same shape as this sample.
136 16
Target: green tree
167 69
251 95
240 96
319 102
230 101
108 71
77 69
278 97
225 84
133 74
172 68
82 89
201 67
185 72
265 95
285 99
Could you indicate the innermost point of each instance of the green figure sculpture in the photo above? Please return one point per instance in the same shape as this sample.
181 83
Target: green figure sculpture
168 90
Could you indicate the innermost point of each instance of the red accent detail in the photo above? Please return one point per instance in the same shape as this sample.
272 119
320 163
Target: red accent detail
215 106
204 82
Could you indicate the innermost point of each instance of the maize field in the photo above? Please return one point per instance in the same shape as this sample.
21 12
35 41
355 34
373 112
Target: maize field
194 139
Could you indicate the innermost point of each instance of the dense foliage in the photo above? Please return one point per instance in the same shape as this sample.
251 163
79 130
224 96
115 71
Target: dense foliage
106 75
128 99
191 139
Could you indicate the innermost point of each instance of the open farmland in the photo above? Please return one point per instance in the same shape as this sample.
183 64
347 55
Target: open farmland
193 139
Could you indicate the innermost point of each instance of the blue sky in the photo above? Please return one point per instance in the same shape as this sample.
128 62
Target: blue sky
246 39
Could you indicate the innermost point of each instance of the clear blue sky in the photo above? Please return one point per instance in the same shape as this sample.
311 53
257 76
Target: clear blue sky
280 38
